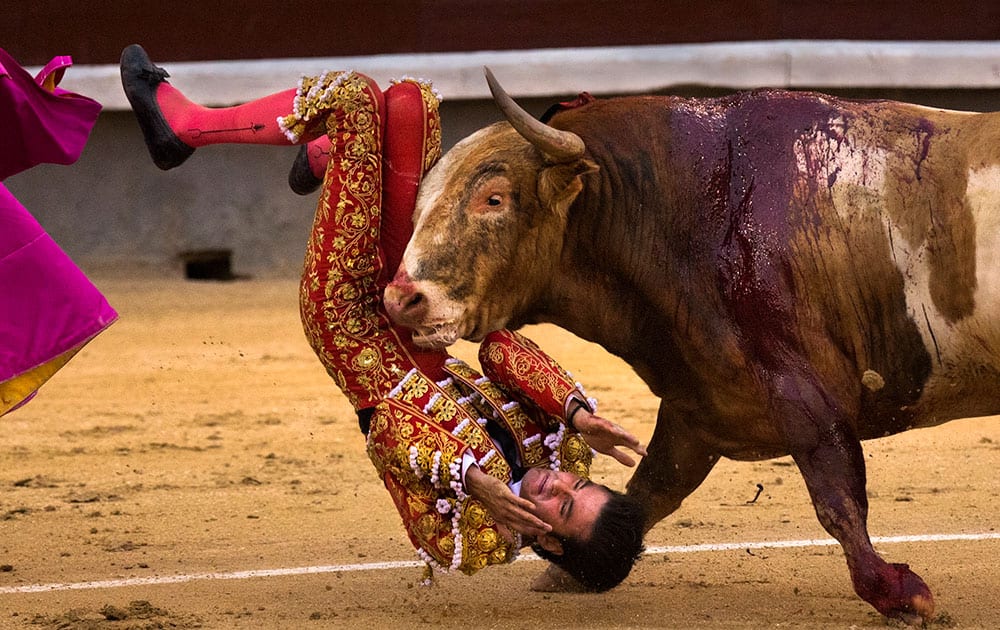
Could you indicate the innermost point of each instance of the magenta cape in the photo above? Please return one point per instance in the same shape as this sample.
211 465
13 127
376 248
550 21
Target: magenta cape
48 307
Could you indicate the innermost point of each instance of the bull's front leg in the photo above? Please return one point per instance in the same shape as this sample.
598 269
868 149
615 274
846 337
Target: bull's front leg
677 462
830 458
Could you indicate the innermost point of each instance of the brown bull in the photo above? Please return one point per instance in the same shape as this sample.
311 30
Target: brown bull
790 273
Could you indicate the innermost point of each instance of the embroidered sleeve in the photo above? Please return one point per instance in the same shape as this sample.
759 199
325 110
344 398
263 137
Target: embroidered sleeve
415 449
420 465
527 372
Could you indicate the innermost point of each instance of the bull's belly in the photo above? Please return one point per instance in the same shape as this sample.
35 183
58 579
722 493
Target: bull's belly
965 376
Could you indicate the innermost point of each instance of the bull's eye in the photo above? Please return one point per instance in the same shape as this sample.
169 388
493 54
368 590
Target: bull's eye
494 200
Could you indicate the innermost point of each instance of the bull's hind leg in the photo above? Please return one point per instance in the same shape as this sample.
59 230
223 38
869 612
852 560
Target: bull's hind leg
830 458
677 463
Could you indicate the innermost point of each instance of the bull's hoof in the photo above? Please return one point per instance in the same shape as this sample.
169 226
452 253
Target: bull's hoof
140 79
917 612
555 580
902 595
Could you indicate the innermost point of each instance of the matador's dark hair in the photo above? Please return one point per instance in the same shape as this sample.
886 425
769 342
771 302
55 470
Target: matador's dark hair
606 558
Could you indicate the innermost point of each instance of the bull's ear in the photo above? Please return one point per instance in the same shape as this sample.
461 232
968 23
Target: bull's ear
559 184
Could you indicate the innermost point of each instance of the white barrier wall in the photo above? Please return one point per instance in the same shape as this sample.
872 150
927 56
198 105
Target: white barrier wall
113 211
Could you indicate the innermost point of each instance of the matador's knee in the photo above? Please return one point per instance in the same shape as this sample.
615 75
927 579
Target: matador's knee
334 102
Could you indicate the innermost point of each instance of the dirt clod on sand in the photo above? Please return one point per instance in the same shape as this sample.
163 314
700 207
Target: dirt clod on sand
136 615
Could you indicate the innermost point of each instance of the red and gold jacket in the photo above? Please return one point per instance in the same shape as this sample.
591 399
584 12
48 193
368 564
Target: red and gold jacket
429 409
422 431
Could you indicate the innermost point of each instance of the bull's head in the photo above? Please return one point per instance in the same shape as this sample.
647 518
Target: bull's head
488 228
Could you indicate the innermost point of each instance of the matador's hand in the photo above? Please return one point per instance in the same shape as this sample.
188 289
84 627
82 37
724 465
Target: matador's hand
506 508
605 436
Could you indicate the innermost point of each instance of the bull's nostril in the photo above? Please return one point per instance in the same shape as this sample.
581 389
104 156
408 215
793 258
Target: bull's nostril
414 305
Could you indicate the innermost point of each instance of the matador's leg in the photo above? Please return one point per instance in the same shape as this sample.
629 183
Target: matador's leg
174 126
380 145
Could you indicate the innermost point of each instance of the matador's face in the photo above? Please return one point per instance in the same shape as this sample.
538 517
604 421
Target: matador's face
570 504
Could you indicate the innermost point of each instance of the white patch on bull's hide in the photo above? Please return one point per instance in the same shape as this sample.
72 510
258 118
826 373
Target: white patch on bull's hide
447 320
950 341
433 185
854 174
912 262
443 325
983 197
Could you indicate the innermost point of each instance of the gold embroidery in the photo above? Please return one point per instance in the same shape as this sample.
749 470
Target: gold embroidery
475 514
390 442
447 545
432 137
366 360
575 455
427 525
339 297
486 541
496 466
501 555
533 453
532 369
444 410
472 562
466 431
411 437
315 96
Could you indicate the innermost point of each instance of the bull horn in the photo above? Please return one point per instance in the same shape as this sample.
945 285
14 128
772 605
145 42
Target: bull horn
560 146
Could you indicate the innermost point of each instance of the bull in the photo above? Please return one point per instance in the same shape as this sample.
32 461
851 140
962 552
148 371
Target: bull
790 273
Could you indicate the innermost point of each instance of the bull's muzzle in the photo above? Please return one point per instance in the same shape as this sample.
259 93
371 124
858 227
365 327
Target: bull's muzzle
404 303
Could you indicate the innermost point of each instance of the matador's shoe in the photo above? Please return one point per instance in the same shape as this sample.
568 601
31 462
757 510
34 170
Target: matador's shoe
300 177
140 79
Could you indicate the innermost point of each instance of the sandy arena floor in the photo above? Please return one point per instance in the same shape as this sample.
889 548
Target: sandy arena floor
199 440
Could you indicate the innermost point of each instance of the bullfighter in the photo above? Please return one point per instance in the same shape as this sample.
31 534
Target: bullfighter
435 427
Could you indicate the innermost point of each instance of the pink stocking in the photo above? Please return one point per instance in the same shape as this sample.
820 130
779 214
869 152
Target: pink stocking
254 122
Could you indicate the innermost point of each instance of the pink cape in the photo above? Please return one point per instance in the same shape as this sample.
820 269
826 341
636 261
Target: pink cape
48 307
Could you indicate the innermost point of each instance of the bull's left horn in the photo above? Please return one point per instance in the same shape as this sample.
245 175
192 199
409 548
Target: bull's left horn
560 146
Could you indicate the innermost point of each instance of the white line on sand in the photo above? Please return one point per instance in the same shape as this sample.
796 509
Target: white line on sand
379 566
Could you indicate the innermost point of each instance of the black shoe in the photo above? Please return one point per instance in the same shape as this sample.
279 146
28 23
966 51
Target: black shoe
300 176
140 78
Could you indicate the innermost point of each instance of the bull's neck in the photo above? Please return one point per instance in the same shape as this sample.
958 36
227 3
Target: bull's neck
604 288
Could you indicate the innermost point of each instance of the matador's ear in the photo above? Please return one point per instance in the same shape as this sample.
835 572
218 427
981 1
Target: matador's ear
550 543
